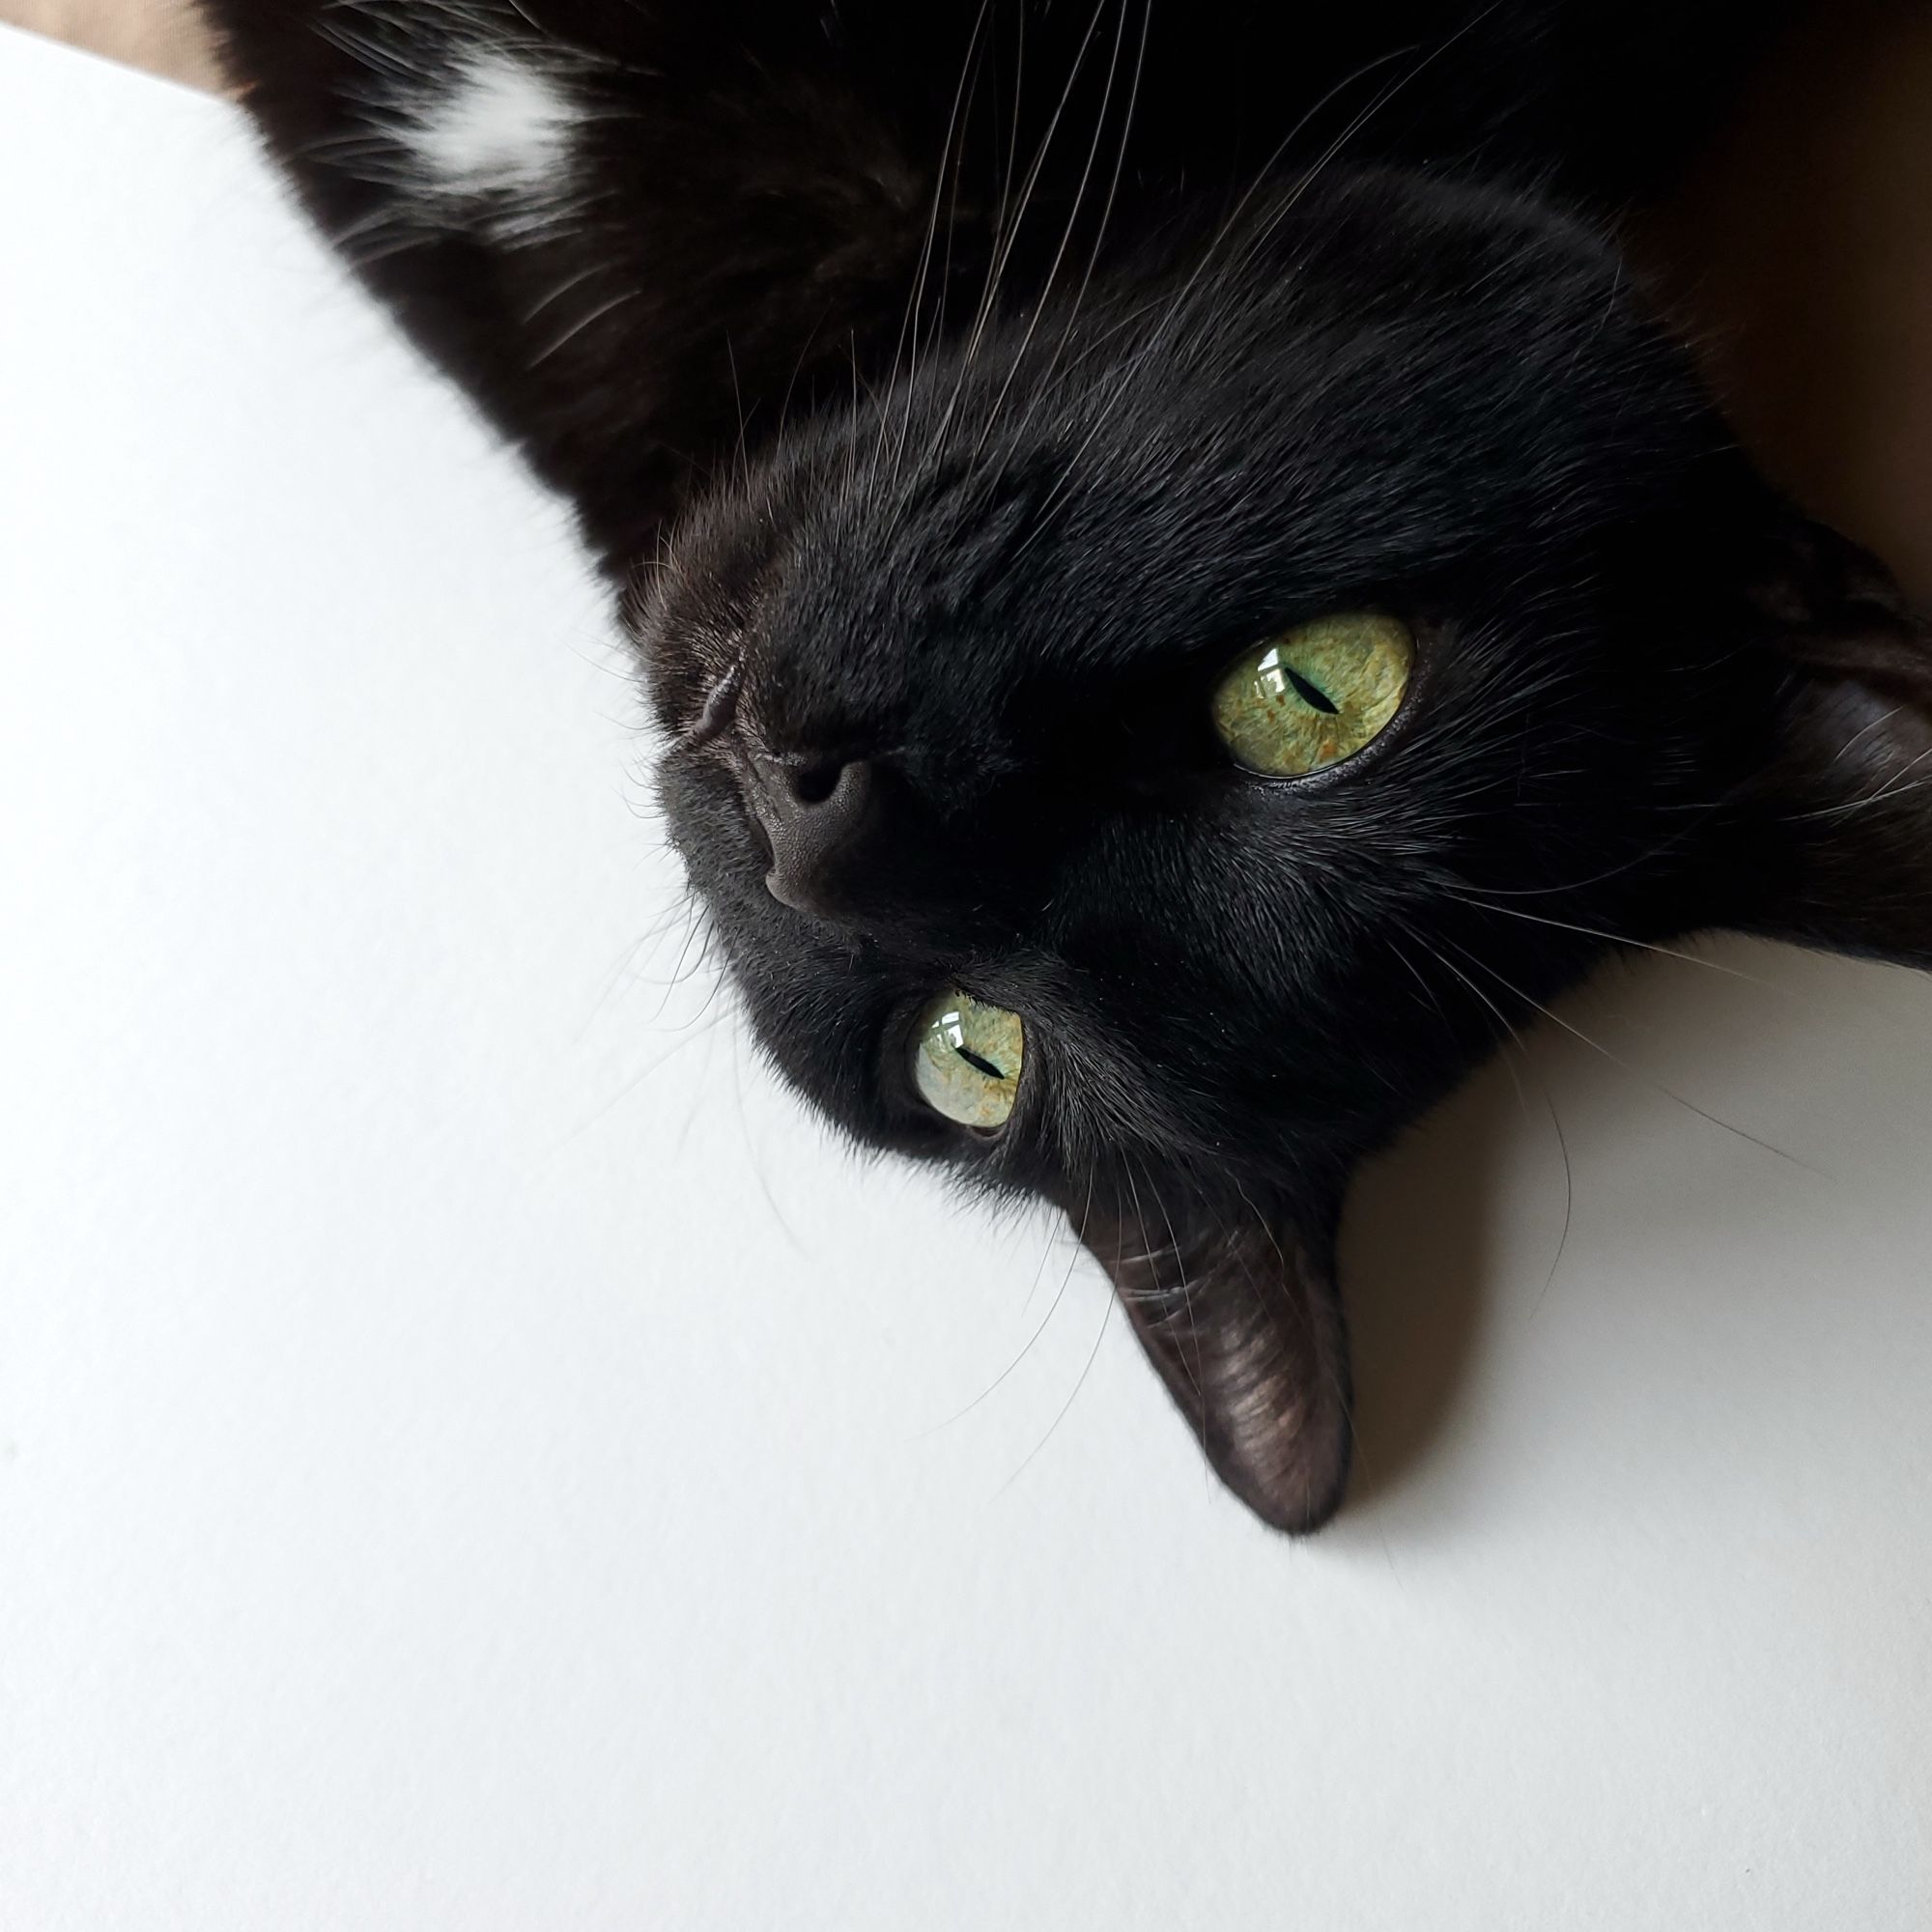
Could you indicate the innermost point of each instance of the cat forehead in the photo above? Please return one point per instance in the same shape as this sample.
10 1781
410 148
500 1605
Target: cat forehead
1094 559
1286 452
1123 478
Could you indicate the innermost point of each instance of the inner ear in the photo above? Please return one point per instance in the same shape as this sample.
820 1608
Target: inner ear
1843 802
1242 1321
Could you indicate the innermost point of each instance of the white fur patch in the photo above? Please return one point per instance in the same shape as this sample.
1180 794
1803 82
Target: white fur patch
496 129
502 123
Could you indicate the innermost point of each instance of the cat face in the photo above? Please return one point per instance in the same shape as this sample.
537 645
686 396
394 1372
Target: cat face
980 689
940 674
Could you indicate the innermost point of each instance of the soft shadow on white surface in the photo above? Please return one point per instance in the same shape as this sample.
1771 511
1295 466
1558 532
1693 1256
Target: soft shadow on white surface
471 1454
1593 1153
1415 1257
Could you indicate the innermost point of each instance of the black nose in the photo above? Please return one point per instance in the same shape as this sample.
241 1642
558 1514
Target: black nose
813 813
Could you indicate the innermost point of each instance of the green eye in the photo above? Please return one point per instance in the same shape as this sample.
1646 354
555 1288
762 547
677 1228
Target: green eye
966 1063
1316 695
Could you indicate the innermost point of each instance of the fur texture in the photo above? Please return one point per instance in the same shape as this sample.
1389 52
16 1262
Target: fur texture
953 391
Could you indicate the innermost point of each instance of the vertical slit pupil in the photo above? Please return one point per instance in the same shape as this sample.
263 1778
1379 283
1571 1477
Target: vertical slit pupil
1311 693
979 1062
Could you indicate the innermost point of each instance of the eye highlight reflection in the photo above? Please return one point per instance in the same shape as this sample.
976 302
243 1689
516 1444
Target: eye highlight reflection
966 1059
1316 695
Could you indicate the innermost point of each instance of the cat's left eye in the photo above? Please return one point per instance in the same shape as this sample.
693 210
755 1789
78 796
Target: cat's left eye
1316 695
966 1059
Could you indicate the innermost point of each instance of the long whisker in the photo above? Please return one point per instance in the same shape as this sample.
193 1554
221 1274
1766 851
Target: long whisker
1086 1368
1042 385
583 321
1004 253
1510 1037
1072 218
1703 1113
1160 339
1026 1347
1890 788
1569 1196
915 301
1513 1038
1616 938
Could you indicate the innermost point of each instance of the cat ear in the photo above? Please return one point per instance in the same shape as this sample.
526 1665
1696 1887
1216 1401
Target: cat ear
1244 1324
1842 856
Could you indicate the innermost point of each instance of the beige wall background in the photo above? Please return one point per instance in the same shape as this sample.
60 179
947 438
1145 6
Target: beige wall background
161 35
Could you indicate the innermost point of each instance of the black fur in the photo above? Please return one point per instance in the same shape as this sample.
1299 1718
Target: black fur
952 390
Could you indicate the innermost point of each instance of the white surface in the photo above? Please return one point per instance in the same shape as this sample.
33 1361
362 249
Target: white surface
462 1435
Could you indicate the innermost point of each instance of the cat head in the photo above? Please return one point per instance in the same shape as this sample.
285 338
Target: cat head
1150 749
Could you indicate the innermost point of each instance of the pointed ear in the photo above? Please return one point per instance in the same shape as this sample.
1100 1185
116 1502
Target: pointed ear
1244 1324
1843 805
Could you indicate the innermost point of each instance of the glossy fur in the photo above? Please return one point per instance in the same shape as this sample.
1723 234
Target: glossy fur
951 390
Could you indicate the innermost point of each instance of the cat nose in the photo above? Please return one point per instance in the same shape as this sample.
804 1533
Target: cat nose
812 812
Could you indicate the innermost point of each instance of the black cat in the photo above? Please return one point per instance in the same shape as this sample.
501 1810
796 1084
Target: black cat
1184 591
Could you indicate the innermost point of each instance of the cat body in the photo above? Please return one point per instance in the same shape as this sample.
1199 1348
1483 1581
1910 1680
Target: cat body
953 392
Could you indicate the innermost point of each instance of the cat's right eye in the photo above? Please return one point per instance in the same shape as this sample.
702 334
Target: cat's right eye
966 1059
1316 695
